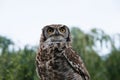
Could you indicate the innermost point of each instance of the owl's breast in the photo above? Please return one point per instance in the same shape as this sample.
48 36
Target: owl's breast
57 67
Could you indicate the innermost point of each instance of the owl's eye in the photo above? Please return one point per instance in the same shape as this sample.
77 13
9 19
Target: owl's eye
50 30
62 29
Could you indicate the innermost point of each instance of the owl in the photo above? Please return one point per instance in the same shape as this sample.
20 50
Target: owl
55 59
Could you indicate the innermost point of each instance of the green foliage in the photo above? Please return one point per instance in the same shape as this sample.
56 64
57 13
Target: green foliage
4 44
84 44
113 65
20 64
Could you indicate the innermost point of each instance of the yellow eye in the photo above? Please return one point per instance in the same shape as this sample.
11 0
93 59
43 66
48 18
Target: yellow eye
62 29
50 30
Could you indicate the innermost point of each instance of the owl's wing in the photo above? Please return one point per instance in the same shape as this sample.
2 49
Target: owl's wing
76 63
38 63
40 68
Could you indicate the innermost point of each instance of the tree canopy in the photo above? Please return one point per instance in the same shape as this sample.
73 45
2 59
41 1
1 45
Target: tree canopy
20 64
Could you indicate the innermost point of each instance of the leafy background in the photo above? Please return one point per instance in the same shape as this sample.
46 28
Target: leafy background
20 64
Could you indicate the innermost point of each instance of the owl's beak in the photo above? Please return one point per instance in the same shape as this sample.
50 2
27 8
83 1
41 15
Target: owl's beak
56 33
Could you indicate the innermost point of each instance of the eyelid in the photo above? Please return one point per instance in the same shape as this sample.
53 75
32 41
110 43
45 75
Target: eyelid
50 30
62 28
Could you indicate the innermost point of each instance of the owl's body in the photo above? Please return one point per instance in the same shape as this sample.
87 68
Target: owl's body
56 60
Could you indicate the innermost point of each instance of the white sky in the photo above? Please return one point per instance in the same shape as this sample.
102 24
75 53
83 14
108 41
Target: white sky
22 20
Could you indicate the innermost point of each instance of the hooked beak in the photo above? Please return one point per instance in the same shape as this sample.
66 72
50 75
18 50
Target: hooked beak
56 33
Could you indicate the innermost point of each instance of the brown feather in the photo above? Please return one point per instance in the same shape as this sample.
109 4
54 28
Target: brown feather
57 60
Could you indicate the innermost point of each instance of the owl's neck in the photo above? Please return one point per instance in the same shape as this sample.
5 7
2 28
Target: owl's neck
59 45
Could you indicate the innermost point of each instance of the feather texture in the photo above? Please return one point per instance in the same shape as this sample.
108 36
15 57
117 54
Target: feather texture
55 59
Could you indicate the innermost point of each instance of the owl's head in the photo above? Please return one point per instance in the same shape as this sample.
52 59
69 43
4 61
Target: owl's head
56 33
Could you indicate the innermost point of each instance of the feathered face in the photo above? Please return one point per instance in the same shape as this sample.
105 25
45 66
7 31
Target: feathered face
56 33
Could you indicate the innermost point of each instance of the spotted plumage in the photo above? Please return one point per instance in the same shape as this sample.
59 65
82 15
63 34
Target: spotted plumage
56 60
